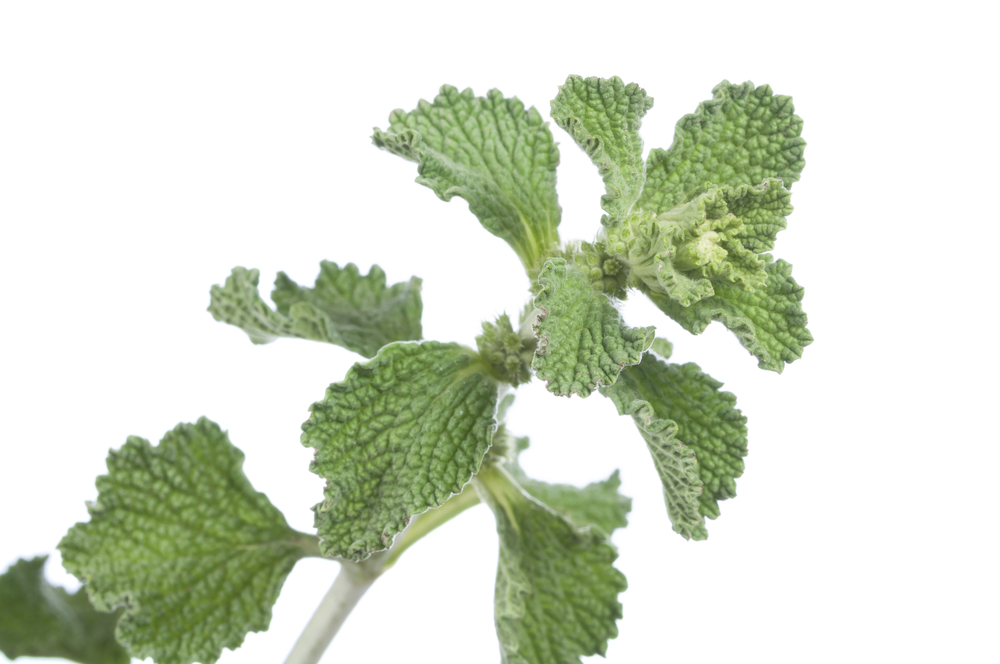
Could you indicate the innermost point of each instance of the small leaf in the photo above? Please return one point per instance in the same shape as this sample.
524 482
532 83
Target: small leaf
557 589
696 435
603 117
741 136
769 322
344 308
41 620
582 341
399 435
181 539
493 153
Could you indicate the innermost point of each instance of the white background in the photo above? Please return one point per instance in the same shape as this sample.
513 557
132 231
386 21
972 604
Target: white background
146 149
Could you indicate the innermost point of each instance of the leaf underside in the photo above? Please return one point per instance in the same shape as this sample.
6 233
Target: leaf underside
345 308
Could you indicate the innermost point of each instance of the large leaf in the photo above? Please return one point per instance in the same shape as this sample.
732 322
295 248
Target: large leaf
399 435
603 117
38 619
493 153
696 435
743 135
346 308
180 538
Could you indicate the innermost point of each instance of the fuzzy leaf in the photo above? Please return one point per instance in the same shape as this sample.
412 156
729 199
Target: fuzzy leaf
181 539
556 589
582 341
493 153
399 435
344 308
603 117
762 210
597 504
703 419
41 620
741 136
769 323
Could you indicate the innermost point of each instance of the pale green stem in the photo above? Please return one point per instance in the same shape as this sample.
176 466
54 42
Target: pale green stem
355 579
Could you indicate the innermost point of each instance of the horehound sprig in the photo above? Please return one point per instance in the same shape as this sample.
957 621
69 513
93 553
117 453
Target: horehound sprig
190 558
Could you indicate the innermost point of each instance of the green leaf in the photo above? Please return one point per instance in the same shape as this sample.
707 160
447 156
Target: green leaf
181 539
769 323
493 153
556 589
603 116
597 504
762 211
741 136
344 308
696 435
399 435
582 341
41 620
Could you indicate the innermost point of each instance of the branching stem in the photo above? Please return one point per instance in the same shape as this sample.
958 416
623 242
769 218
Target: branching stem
355 579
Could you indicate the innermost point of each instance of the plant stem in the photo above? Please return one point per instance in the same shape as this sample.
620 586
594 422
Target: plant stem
355 579
350 585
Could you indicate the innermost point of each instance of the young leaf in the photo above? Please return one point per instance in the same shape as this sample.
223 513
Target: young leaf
181 539
491 152
769 322
603 117
398 436
344 308
41 620
507 352
582 341
696 435
741 136
556 589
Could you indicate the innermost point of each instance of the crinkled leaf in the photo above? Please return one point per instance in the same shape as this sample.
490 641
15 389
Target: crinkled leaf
582 341
603 116
38 619
597 504
181 539
681 253
769 322
762 210
741 136
707 421
556 589
398 436
344 308
675 462
493 153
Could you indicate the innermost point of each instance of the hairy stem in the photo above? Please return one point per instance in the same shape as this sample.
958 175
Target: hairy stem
355 579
